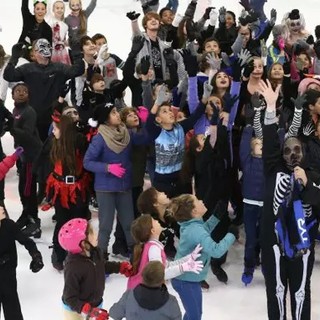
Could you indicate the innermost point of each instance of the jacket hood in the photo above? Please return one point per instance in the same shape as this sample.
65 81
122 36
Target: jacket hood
151 298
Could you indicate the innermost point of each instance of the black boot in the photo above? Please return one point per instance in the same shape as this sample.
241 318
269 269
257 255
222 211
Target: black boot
32 228
22 221
219 273
55 263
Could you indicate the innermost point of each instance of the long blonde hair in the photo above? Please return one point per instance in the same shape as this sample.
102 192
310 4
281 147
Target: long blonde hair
83 19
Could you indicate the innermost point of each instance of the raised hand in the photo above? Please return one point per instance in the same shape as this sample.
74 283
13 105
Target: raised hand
132 15
268 93
300 101
215 64
145 65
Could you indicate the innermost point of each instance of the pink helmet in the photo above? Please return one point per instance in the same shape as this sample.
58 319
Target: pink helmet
72 233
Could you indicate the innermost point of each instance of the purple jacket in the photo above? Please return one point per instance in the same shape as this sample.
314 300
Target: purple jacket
99 155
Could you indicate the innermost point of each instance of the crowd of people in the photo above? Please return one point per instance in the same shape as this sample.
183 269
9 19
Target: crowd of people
226 129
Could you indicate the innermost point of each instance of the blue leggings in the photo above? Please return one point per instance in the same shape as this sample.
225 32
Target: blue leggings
191 296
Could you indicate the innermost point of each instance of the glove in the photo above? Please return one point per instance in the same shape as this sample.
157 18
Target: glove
221 209
300 101
132 15
126 269
36 264
90 313
162 96
237 45
244 57
215 64
207 89
191 65
195 254
222 15
281 43
191 30
192 266
215 116
64 90
206 14
310 40
245 4
229 101
137 44
255 101
145 65
169 57
18 152
16 52
234 230
316 48
143 114
116 169
248 69
177 19
273 17
213 16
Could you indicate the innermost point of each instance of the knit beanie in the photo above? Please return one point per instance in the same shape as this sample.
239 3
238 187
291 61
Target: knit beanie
305 83
100 114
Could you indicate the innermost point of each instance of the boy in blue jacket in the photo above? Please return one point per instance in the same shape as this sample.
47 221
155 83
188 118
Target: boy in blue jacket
188 211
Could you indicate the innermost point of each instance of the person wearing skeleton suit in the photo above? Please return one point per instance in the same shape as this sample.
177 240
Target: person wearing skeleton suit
289 220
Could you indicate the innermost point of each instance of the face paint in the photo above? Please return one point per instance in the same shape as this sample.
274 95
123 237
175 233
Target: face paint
292 153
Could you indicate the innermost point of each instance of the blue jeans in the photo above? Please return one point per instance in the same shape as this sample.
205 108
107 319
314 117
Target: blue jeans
109 203
251 217
173 5
191 296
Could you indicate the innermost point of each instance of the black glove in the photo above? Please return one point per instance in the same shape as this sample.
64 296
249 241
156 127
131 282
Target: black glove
300 101
317 32
145 65
16 52
191 65
221 209
137 44
191 30
206 14
316 48
310 39
229 101
245 4
249 113
132 15
36 264
248 69
64 89
169 57
234 230
215 116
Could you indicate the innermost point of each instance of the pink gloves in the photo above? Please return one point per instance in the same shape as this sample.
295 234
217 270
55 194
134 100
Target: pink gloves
142 113
191 265
281 43
116 169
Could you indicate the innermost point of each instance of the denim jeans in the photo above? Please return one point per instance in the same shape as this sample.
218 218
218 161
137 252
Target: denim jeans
251 217
109 203
191 296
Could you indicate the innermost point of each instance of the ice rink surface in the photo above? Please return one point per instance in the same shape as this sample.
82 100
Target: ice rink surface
40 294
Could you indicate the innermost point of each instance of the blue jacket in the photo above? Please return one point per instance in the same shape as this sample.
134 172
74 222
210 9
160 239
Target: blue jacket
195 231
252 169
99 155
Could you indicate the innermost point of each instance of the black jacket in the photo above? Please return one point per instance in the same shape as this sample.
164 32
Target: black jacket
44 82
9 234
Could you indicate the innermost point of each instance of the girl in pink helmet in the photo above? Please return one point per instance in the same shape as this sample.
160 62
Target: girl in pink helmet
85 271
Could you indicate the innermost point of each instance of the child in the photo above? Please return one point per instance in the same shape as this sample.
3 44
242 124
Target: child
253 193
77 22
188 211
85 271
146 232
67 184
9 233
149 300
25 135
59 33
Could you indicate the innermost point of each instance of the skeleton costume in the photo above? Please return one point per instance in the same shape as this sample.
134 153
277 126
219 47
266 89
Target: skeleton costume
289 225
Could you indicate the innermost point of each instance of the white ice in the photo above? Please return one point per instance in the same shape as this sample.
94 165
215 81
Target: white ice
40 294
